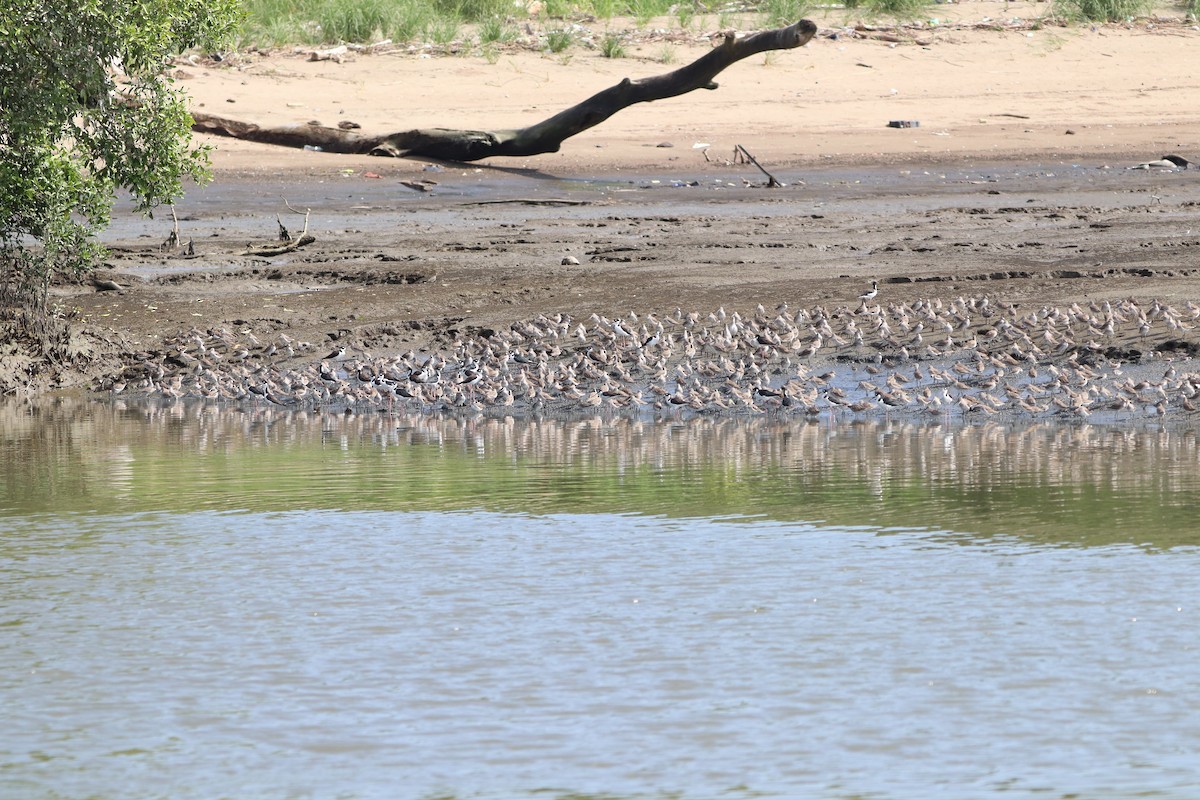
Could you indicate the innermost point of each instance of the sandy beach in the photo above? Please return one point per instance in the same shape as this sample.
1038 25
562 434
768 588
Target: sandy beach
988 81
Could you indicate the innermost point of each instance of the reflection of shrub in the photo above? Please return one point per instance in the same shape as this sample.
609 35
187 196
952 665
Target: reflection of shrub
1104 10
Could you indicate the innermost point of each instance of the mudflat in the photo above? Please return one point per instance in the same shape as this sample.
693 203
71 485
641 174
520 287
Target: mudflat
1015 186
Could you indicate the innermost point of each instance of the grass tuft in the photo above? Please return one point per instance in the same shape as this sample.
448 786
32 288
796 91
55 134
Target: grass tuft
353 22
899 9
281 22
442 29
779 13
612 47
1103 10
495 29
559 40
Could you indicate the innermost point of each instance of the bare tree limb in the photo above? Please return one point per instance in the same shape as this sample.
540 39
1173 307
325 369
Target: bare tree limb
286 245
772 183
544 137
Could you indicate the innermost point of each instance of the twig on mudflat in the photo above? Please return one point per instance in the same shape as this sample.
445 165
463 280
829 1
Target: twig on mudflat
771 182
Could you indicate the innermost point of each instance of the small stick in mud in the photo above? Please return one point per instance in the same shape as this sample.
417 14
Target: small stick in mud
289 245
771 182
305 212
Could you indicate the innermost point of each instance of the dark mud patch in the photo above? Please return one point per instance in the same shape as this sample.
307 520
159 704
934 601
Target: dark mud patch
437 272
1052 274
368 277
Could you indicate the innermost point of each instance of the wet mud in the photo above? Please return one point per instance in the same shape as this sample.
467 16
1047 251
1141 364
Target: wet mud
442 274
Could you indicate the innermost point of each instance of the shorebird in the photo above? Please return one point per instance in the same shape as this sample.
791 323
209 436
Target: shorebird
1166 162
620 330
337 355
870 293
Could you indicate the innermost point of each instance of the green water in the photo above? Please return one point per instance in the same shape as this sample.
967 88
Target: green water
1044 482
198 603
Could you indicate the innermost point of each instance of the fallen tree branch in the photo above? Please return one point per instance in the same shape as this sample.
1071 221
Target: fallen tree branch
545 137
288 246
530 201
336 54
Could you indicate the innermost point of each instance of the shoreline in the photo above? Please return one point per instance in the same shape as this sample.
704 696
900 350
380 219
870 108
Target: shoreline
1014 188
986 360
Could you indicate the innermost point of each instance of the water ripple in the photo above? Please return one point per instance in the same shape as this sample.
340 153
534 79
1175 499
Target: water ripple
473 654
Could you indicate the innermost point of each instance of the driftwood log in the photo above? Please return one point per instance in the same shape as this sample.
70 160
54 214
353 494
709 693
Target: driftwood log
544 137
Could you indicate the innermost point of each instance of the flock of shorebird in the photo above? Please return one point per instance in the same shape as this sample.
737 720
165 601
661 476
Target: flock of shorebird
969 356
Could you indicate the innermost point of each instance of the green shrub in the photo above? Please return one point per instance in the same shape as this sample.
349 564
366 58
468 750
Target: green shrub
607 9
71 134
1103 10
474 10
408 23
779 13
611 47
494 29
899 9
353 20
557 8
559 40
645 10
442 29
274 33
686 14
